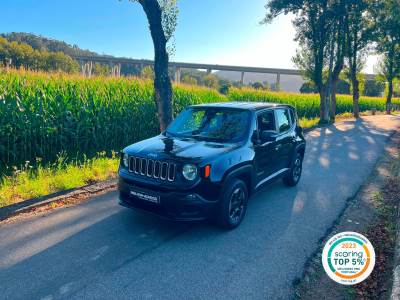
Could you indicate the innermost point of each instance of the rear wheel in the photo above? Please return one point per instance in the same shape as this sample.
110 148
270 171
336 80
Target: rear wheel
233 204
294 174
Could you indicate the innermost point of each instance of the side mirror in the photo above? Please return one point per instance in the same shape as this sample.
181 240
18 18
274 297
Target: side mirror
299 130
268 136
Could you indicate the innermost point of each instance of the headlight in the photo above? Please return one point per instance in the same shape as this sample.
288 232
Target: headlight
125 160
189 172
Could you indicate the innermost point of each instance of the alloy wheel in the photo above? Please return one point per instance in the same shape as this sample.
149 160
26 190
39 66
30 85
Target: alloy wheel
236 205
297 169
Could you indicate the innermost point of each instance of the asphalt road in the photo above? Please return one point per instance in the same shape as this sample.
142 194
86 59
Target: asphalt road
99 250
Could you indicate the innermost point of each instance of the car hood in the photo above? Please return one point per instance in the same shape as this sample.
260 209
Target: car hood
160 147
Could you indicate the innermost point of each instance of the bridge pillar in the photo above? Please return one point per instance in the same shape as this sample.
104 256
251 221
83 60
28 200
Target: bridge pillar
111 65
115 70
82 65
118 70
209 71
242 78
89 69
177 72
86 68
278 80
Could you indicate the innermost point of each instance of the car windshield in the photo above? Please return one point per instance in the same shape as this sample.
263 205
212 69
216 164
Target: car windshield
214 124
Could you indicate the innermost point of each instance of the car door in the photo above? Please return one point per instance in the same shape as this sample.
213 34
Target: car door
265 152
284 140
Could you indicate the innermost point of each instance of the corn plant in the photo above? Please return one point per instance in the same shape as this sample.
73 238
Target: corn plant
307 105
44 114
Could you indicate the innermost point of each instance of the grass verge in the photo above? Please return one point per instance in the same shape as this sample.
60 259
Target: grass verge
28 182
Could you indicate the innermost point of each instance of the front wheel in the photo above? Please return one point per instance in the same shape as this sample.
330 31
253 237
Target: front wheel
293 176
233 204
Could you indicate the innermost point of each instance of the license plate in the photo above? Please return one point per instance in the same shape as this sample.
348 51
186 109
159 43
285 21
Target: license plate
145 196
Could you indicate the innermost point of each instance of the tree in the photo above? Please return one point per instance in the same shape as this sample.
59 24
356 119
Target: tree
374 88
336 53
147 73
358 36
211 81
24 56
257 85
308 88
224 86
343 87
319 30
386 18
189 80
162 19
101 69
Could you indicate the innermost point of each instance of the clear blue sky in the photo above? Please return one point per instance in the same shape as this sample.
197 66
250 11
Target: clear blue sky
209 31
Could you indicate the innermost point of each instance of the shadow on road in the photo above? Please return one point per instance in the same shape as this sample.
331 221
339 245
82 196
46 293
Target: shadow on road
98 247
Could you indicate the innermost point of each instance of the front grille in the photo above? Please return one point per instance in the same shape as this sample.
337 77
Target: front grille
152 168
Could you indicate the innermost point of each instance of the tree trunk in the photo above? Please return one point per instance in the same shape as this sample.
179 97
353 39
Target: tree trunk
389 97
162 82
324 107
356 97
333 100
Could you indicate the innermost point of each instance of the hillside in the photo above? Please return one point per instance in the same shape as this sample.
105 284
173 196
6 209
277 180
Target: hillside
41 43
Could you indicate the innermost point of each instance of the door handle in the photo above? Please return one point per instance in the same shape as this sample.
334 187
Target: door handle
278 147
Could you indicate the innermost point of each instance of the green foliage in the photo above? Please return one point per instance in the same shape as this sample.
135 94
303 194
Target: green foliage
23 55
307 105
224 86
343 87
43 114
308 88
187 79
211 81
147 73
41 43
374 88
101 69
257 86
28 182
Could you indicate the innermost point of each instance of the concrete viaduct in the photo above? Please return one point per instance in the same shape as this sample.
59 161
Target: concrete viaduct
86 63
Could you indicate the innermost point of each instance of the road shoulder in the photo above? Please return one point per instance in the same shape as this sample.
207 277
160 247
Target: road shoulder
372 212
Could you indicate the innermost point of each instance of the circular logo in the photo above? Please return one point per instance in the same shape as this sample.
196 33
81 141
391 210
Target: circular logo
348 258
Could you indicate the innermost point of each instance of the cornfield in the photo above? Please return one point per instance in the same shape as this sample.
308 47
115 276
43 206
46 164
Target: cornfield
42 115
307 105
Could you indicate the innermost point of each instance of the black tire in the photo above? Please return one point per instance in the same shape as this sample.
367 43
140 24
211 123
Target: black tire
293 176
233 204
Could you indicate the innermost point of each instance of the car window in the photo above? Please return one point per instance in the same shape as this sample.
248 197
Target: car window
266 121
192 122
283 120
215 124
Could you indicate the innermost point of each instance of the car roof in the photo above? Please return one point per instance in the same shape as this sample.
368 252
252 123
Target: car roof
242 105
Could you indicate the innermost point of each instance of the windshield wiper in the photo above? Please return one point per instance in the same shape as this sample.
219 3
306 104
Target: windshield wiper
204 138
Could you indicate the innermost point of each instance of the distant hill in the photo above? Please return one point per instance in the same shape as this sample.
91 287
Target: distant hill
289 83
41 43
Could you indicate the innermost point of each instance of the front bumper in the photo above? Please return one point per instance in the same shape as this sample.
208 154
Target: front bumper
173 204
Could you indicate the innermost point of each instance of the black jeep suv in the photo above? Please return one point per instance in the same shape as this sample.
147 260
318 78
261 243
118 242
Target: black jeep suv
210 159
